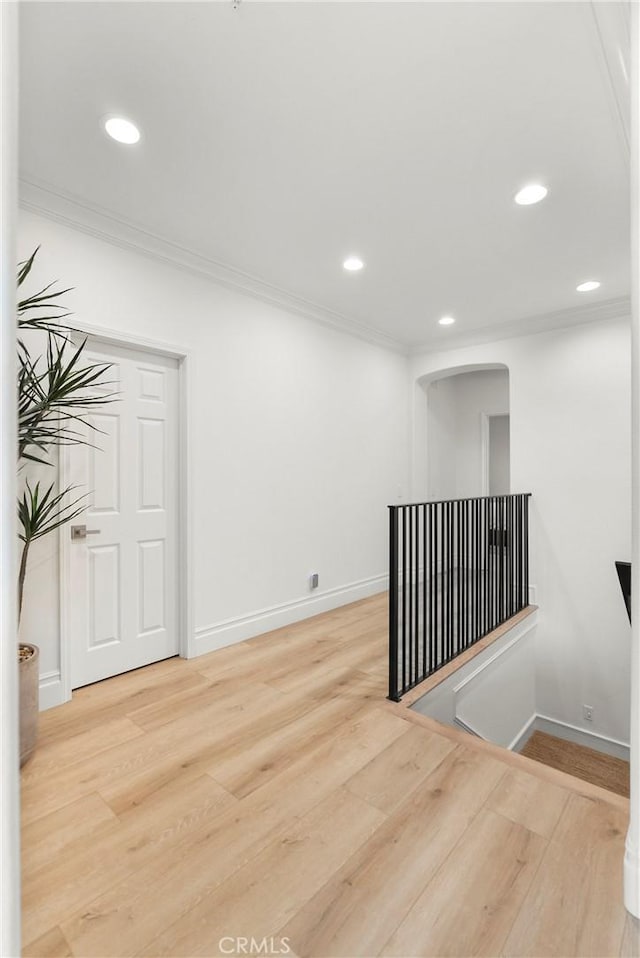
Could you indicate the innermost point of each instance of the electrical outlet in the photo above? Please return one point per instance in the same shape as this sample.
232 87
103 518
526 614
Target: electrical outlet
587 713
314 580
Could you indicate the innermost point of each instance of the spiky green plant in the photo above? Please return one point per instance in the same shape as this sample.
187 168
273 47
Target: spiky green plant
55 398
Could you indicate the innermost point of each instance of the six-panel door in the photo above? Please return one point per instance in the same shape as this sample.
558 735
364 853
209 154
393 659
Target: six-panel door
123 583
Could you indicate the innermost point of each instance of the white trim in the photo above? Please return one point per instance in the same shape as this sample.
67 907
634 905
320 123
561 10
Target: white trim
68 210
64 578
46 200
185 511
9 725
523 735
57 694
612 24
116 337
51 690
528 326
211 637
467 728
580 736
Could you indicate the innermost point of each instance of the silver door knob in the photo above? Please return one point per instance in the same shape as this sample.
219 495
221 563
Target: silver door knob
81 532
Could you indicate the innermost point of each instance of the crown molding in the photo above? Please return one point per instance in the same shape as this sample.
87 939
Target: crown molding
612 22
42 198
529 326
70 211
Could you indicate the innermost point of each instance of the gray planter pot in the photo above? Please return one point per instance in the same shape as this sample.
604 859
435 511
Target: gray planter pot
29 705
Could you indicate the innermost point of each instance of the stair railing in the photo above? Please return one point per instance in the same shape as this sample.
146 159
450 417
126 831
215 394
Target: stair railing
458 569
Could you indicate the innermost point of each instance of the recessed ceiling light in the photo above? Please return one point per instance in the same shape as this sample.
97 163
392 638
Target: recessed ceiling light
530 194
587 287
124 131
447 321
353 264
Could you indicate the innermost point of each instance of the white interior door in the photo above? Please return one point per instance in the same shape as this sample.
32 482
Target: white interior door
123 574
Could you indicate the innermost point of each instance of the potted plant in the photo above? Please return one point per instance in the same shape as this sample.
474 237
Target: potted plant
56 393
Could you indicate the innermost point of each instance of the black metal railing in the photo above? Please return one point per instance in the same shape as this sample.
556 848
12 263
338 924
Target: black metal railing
457 570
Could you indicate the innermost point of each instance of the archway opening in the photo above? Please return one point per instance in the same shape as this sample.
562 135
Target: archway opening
467 432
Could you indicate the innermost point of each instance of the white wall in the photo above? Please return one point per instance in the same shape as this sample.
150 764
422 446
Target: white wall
454 435
499 456
441 431
300 441
570 447
299 432
493 695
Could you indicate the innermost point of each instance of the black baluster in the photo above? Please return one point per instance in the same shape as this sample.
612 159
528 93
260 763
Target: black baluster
410 597
520 563
404 599
432 604
424 591
526 550
458 641
434 588
452 582
393 604
417 543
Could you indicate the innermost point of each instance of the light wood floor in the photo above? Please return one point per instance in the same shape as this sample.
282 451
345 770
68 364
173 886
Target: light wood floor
270 790
604 770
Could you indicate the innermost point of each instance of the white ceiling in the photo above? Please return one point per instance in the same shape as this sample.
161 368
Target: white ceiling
278 138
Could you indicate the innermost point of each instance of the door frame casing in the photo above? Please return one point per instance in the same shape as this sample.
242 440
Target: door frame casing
186 638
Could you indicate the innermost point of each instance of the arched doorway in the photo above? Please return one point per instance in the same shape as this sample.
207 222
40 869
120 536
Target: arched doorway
462 437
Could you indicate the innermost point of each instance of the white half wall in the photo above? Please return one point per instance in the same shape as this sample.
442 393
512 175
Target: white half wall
493 695
299 440
570 447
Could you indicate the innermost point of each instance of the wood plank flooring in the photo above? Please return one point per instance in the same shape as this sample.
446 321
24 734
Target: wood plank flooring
604 770
269 791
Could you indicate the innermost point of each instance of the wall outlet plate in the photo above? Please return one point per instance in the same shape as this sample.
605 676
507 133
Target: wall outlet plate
587 713
314 580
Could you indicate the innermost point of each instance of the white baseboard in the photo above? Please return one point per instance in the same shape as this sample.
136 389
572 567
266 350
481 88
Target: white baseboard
523 735
211 637
467 728
571 733
51 691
